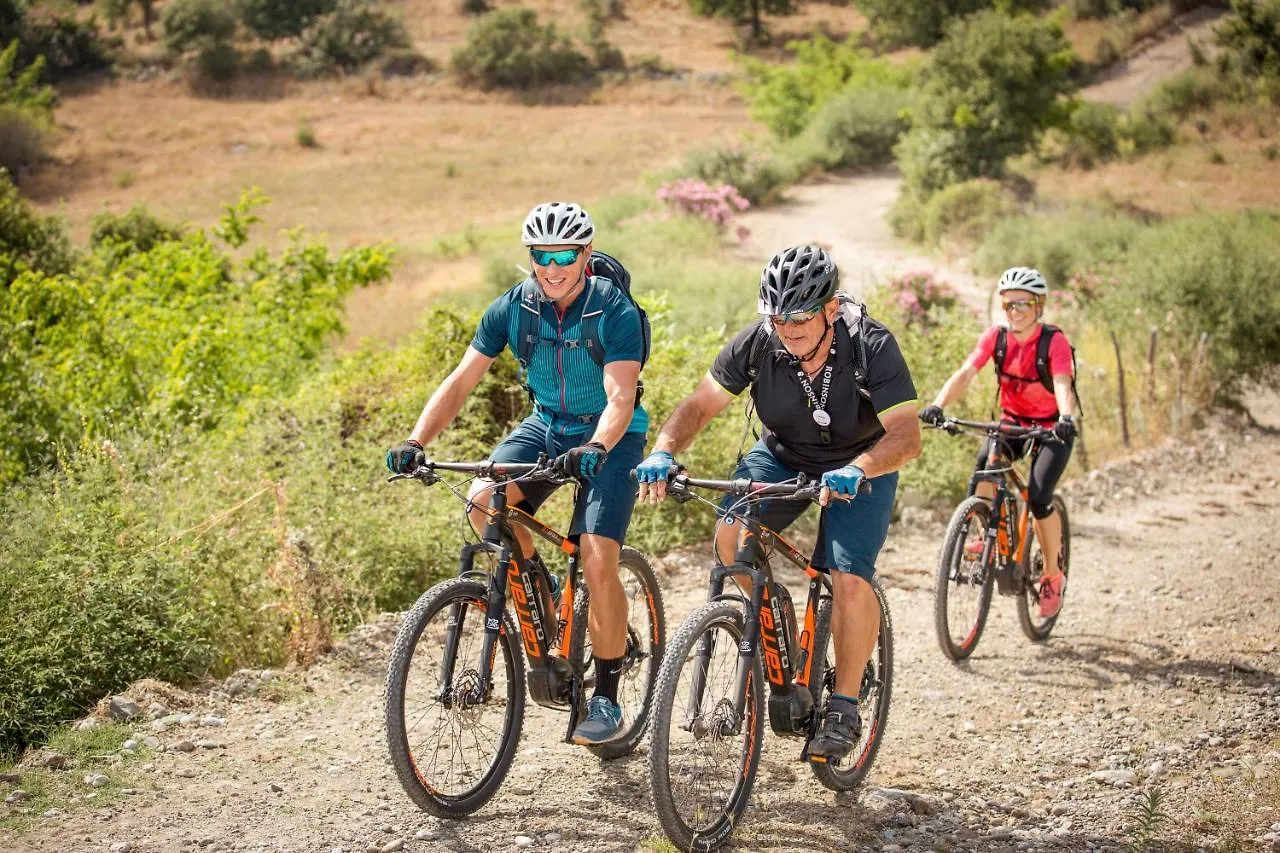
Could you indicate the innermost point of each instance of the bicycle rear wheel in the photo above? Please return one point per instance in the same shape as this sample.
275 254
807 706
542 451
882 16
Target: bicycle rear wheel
874 693
1036 627
646 641
962 596
703 755
451 743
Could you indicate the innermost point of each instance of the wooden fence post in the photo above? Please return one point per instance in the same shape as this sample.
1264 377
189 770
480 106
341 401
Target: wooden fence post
1151 371
1124 414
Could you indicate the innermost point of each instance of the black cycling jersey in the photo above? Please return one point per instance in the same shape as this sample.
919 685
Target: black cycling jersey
784 406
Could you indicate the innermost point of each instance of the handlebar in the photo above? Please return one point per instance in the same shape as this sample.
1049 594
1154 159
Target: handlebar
955 425
806 489
499 472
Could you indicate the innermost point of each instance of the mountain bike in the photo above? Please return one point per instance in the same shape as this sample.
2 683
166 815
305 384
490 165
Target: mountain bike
985 549
709 705
455 689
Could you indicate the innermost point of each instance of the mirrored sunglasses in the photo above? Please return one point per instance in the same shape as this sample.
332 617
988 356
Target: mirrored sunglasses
1020 305
794 317
559 257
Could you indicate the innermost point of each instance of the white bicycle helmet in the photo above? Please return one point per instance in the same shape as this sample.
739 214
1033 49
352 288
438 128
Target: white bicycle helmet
1023 278
554 223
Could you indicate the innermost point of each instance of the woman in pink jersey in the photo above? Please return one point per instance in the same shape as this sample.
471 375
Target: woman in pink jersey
1024 399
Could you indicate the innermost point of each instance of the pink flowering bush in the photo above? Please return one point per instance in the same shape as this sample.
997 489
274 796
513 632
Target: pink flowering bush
918 294
717 205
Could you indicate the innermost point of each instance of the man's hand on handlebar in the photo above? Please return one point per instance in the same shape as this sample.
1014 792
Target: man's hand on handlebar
654 473
406 458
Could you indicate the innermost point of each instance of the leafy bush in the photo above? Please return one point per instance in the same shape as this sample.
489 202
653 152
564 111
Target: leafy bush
744 11
216 63
923 22
475 8
859 127
786 97
176 335
920 298
278 19
964 212
509 49
24 140
29 241
139 230
1250 37
348 38
756 174
26 112
191 24
1060 246
69 46
988 90
1097 132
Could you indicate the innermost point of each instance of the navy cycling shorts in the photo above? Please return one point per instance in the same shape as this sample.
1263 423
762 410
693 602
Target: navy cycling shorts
604 506
850 533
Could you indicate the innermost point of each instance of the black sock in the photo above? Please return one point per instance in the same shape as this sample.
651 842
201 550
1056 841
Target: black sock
608 674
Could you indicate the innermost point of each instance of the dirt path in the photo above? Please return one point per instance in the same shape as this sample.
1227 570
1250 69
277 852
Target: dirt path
1163 675
1136 75
846 214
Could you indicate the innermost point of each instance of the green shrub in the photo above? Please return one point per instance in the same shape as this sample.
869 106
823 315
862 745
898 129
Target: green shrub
965 212
906 218
786 97
1093 132
23 90
29 241
991 86
744 12
216 64
156 340
474 8
258 61
69 46
24 140
348 38
1060 246
1181 94
191 24
278 19
923 22
857 128
1250 38
139 229
509 49
757 175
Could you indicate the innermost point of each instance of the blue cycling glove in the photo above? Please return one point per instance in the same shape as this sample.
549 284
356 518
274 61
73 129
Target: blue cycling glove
844 481
656 468
583 461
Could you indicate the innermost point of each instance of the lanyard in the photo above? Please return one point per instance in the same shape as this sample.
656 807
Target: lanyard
819 405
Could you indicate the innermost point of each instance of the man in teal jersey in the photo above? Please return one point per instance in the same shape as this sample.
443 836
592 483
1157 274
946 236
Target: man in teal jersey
586 416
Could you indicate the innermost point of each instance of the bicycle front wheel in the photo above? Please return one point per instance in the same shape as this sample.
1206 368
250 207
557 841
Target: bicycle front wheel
452 739
1036 627
874 692
646 641
962 597
704 754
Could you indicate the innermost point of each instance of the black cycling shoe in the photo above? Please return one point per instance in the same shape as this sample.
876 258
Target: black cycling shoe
841 730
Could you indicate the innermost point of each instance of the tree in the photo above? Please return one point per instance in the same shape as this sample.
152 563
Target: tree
990 88
278 19
923 22
743 10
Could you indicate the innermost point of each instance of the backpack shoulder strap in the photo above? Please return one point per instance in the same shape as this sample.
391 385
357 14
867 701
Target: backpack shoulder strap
853 313
759 348
1000 351
528 322
1042 355
592 311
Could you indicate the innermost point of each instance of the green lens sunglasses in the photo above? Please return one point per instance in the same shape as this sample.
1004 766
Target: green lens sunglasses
561 257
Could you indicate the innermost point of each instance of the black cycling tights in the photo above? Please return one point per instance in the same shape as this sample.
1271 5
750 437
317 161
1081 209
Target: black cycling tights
1046 468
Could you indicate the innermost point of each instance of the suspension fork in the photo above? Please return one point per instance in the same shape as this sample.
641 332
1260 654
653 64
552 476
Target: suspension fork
453 631
702 657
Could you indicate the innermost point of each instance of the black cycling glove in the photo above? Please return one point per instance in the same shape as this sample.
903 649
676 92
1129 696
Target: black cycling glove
582 461
406 458
932 415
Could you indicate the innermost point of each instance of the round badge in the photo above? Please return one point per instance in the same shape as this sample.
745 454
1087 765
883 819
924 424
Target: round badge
821 418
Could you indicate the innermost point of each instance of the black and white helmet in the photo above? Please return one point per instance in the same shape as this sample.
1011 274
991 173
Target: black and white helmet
797 279
1023 278
554 223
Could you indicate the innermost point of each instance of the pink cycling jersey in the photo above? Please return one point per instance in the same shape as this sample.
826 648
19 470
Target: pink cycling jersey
1024 398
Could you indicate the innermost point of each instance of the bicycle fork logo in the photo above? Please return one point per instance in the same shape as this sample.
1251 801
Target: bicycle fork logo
530 627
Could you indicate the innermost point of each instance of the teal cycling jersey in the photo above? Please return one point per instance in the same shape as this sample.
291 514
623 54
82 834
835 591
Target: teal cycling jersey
566 382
